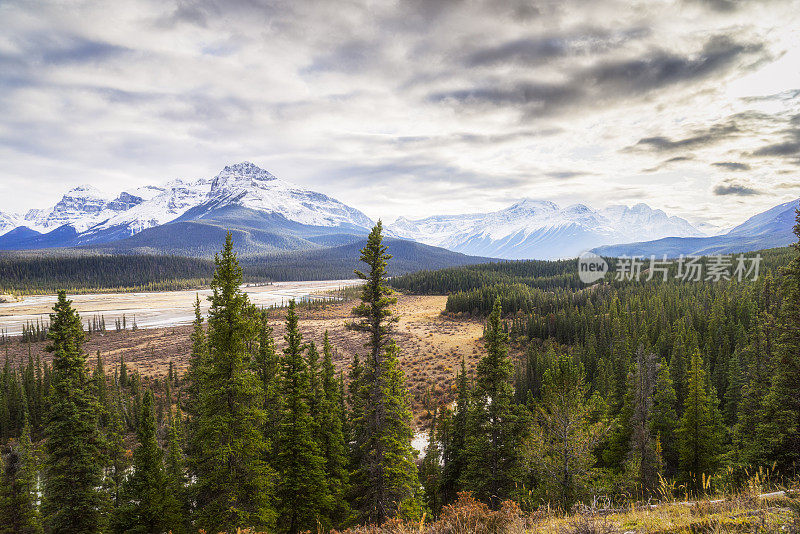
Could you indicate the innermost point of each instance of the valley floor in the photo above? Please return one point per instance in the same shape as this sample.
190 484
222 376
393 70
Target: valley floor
431 344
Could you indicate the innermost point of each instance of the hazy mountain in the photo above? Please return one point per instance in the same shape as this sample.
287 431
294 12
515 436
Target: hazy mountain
541 229
772 228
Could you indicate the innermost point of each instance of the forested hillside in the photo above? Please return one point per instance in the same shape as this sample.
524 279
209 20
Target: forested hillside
27 273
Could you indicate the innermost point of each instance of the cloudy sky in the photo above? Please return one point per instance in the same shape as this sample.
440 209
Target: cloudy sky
411 107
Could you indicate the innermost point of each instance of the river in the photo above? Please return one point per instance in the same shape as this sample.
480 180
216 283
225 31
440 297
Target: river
157 309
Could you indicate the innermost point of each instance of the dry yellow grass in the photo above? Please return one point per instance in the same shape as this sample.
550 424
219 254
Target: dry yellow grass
432 345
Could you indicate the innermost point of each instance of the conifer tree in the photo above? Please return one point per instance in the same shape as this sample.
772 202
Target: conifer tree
175 467
303 499
18 511
117 457
733 393
454 437
233 484
267 367
495 424
148 504
101 393
779 431
197 361
385 481
560 447
72 501
332 437
644 461
430 470
664 418
699 431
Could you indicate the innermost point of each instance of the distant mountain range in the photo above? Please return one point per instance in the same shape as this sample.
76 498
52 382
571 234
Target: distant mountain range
269 216
772 228
542 230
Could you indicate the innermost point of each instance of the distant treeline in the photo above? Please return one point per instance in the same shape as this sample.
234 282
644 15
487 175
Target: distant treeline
48 274
538 274
85 271
525 286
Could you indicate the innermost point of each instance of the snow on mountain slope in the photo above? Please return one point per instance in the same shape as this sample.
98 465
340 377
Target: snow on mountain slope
163 205
541 229
769 229
249 186
98 219
80 207
8 222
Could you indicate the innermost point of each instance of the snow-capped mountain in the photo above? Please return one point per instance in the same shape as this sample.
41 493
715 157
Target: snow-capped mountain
8 222
84 216
80 207
162 205
249 186
769 229
84 207
541 229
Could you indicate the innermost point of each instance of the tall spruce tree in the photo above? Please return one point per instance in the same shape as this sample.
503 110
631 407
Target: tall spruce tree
267 366
644 463
664 418
430 469
454 437
699 431
495 424
779 431
332 437
385 481
303 498
175 467
233 483
148 502
18 511
72 501
560 447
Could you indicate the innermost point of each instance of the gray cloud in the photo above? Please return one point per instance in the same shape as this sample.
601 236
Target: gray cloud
730 188
606 80
698 138
536 51
787 148
732 165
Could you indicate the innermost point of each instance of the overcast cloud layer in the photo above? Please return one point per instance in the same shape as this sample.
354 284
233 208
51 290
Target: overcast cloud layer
410 107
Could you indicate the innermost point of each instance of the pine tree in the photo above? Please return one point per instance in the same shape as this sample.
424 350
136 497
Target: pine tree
197 361
267 367
18 511
332 437
495 424
779 431
148 504
385 480
664 418
560 447
101 393
233 483
175 467
454 437
644 463
72 501
303 499
733 393
699 431
117 456
430 470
